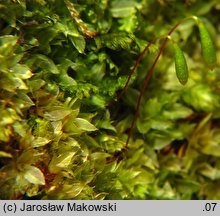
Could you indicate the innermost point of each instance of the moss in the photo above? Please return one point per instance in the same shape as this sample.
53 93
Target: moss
62 133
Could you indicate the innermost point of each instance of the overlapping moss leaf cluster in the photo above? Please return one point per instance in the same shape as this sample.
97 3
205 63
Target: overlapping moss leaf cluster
61 133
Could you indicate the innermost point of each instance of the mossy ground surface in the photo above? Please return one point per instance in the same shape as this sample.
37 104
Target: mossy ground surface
62 65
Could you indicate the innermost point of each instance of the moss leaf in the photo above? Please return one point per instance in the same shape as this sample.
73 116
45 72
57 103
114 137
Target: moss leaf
34 175
57 115
84 124
40 141
5 154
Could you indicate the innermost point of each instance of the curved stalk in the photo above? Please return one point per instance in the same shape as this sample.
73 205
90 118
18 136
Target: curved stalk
149 73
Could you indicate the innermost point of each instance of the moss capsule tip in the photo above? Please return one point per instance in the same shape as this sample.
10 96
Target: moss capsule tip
211 66
183 82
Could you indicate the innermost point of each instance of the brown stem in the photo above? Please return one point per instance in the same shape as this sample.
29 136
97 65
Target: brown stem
135 66
147 78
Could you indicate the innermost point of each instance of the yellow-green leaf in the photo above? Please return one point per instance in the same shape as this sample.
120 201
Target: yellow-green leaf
57 115
123 8
40 141
65 159
7 44
5 154
79 42
33 175
22 71
84 125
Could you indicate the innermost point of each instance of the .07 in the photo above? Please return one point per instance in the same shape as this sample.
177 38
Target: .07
210 207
